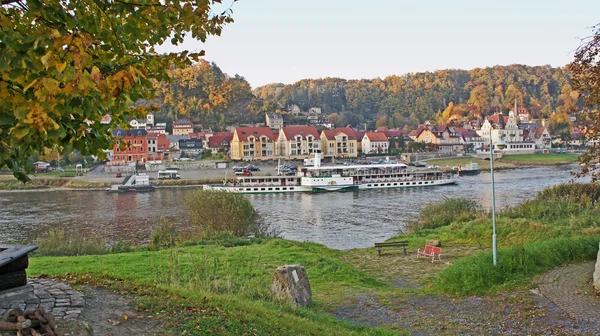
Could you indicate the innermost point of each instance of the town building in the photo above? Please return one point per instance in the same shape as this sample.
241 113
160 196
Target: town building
182 127
339 142
375 143
253 143
174 141
296 142
314 110
190 147
150 120
134 149
446 138
275 121
158 146
471 140
137 123
220 140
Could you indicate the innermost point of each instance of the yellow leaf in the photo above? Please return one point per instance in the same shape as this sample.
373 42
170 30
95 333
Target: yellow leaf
61 66
54 33
30 85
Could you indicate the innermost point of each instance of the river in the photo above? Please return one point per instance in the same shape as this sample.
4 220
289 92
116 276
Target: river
342 220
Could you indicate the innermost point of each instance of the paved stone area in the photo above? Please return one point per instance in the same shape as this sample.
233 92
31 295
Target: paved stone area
55 297
568 288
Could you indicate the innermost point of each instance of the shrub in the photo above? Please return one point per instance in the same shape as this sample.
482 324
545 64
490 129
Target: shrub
435 215
164 236
215 212
58 243
477 275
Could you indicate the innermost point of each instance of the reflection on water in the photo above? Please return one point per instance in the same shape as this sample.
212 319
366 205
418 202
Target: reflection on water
339 220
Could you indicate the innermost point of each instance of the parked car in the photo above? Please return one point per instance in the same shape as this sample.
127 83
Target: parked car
252 168
412 164
243 172
421 164
237 168
119 175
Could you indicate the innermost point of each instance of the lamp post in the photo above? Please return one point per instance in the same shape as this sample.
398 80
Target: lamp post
500 145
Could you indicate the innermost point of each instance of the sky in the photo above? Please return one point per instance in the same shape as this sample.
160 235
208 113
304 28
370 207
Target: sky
283 41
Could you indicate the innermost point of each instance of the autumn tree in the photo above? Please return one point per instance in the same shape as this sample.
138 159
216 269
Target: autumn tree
586 80
65 64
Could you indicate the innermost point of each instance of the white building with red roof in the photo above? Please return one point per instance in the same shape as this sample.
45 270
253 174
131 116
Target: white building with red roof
298 142
182 127
375 143
253 143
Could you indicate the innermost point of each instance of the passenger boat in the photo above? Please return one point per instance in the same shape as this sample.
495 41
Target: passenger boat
339 178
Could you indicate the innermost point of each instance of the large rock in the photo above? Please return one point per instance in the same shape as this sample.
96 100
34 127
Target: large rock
597 272
290 285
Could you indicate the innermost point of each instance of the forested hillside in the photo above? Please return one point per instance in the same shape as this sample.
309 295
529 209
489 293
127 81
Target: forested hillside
204 94
207 96
413 98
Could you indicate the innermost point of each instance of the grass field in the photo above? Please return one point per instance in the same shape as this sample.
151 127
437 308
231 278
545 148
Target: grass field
508 161
214 287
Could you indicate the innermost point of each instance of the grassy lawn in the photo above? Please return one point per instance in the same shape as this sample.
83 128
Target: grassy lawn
508 161
462 161
540 159
225 288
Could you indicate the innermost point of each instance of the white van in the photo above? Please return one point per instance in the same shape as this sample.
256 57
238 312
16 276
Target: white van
168 175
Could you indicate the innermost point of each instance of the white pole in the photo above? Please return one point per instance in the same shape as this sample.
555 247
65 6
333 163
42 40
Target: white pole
494 247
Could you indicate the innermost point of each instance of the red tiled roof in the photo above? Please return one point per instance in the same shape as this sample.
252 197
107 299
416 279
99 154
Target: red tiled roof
382 129
294 130
539 132
216 141
376 136
330 134
414 132
495 119
244 132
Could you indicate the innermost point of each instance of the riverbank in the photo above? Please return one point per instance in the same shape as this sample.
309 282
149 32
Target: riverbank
509 161
223 285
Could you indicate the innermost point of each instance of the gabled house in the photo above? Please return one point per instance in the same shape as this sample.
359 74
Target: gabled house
375 143
253 143
470 139
274 120
298 141
220 140
540 136
446 138
339 142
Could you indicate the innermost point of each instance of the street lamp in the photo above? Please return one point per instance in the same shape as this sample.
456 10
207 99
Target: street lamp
501 145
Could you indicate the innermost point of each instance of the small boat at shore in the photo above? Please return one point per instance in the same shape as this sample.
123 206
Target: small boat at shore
134 183
470 169
339 178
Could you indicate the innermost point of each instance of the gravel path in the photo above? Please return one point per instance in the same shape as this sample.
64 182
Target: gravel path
511 313
569 288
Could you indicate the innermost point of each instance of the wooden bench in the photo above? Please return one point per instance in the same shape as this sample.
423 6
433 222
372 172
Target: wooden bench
393 245
430 252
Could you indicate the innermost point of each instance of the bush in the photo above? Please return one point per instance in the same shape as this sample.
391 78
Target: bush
560 201
476 275
164 236
435 215
217 212
58 243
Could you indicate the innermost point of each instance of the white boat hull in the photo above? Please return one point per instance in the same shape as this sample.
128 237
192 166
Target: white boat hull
405 184
258 190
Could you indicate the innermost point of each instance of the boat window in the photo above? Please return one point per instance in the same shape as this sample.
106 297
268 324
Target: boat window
241 189
395 184
262 188
368 185
420 182
270 189
255 189
376 185
292 188
284 188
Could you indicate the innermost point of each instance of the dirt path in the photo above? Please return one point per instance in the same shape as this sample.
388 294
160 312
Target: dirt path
515 313
106 313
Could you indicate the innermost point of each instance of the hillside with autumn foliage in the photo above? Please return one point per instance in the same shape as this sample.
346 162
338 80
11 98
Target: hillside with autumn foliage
207 96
